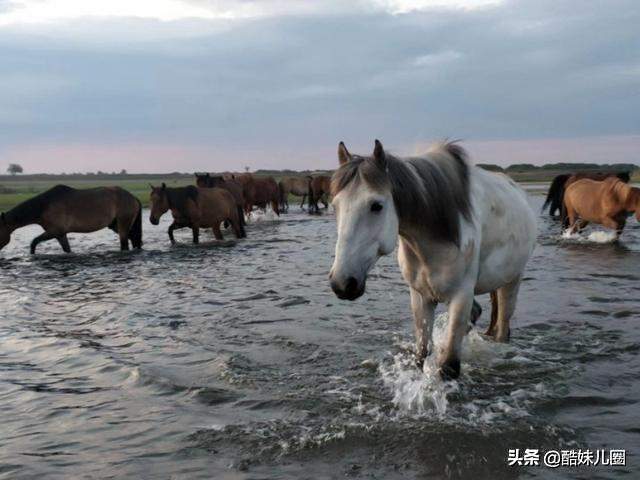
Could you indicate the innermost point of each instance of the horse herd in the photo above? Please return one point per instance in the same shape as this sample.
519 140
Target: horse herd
461 230
212 202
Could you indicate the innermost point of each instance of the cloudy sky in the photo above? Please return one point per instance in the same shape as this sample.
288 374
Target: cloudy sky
166 85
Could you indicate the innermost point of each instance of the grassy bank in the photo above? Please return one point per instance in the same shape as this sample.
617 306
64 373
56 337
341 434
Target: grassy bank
16 189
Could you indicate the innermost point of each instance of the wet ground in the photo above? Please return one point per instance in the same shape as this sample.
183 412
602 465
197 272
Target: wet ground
236 361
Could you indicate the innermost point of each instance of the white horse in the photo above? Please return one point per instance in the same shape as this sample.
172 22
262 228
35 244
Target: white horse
463 231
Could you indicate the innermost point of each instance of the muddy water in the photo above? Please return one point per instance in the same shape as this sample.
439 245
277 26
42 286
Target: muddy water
236 361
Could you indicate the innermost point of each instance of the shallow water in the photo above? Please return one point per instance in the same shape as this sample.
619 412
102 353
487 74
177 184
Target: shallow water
236 361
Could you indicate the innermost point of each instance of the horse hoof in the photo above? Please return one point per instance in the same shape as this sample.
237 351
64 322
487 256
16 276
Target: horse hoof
476 311
450 370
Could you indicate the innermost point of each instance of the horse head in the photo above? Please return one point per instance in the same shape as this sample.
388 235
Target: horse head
159 203
366 219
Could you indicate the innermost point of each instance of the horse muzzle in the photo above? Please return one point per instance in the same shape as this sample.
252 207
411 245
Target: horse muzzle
347 289
154 220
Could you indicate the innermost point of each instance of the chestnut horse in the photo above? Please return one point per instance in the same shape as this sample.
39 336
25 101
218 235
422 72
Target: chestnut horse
298 186
62 209
259 192
229 184
195 208
561 182
320 190
608 202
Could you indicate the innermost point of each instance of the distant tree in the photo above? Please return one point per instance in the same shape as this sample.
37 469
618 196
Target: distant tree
14 168
247 168
123 172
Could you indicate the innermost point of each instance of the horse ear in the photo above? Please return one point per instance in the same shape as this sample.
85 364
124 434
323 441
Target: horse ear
379 156
164 186
343 154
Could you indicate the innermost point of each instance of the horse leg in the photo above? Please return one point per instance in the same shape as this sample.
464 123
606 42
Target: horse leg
304 197
173 227
507 297
237 228
459 314
64 243
40 238
274 207
123 233
476 311
582 225
217 232
196 234
612 224
491 329
621 224
423 314
325 201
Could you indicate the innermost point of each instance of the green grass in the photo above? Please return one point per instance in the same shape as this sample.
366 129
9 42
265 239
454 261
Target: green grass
14 191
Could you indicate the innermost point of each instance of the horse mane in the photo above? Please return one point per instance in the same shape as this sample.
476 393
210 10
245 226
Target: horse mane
178 197
30 210
429 192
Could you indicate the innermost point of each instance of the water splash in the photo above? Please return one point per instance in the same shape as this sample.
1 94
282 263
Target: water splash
599 236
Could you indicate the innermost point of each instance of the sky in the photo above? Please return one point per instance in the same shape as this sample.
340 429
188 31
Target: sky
211 85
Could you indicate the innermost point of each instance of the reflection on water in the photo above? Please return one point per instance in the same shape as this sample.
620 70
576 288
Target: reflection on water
235 360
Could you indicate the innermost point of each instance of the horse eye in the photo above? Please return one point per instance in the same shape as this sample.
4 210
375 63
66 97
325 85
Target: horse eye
376 206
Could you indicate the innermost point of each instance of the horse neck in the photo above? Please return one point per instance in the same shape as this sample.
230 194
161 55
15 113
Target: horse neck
15 220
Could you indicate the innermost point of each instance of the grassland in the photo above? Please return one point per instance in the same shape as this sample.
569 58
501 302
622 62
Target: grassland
16 189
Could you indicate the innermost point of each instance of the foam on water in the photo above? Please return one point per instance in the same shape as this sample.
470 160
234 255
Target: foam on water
598 236
418 393
258 216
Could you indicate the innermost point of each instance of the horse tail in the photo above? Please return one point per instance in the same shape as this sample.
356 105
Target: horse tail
281 195
555 194
312 200
135 234
564 216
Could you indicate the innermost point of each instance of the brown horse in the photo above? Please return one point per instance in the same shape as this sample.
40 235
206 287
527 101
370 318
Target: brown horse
561 182
229 184
298 186
320 191
608 202
259 192
195 208
62 210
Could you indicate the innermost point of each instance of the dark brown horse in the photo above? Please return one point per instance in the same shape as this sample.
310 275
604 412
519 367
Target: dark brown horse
298 186
195 208
229 184
62 210
319 191
259 192
561 182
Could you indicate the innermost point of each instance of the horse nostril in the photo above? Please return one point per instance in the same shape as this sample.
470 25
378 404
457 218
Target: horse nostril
351 288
